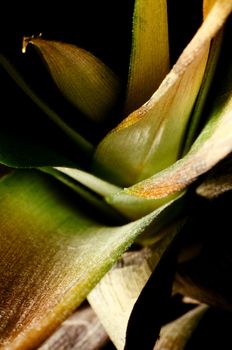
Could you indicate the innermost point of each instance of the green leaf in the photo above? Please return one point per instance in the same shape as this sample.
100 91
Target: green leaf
213 144
176 334
134 206
82 78
149 61
52 254
92 182
85 191
150 139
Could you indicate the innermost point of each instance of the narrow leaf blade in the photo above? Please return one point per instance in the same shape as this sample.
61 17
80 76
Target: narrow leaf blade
101 187
150 52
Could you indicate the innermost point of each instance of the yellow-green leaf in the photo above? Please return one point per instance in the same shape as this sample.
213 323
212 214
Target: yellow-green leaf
150 51
101 187
52 254
212 145
150 139
83 79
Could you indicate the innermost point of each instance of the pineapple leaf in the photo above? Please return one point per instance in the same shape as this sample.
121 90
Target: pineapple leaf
180 330
85 191
52 255
212 145
195 119
151 137
82 78
150 51
101 187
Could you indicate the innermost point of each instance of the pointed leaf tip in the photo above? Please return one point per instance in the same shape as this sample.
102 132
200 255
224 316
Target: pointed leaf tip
82 78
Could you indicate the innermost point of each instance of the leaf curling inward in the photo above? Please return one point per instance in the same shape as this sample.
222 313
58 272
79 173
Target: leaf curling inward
212 145
150 138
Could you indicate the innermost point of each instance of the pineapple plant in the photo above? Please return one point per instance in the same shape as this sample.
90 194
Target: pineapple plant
108 208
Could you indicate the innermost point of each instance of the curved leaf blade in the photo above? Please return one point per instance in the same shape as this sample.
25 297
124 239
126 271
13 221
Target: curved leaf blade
213 144
103 188
82 78
150 138
195 119
52 254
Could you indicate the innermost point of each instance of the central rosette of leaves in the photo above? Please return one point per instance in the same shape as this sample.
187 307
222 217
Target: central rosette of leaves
138 173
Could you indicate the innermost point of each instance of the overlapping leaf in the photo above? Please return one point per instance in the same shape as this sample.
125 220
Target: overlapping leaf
52 254
150 138
99 186
213 144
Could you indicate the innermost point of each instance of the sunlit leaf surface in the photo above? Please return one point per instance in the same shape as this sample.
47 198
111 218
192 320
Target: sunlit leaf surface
52 254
